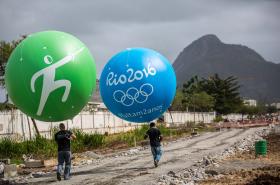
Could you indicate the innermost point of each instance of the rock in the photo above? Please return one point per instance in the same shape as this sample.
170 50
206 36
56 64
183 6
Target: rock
10 170
211 172
133 151
2 166
206 161
92 154
21 165
4 182
190 183
218 176
38 174
5 161
171 174
216 165
199 175
89 162
50 162
34 163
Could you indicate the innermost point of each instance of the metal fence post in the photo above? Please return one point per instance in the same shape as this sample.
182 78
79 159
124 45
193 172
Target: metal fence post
114 124
81 118
29 128
104 117
22 126
93 121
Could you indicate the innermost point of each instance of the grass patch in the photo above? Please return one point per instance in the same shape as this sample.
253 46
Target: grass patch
42 148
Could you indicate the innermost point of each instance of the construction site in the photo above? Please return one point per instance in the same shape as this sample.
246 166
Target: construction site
139 92
202 154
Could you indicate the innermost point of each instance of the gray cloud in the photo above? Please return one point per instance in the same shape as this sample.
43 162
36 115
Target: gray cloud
107 27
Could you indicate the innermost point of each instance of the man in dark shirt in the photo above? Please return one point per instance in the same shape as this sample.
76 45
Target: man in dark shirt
62 139
155 138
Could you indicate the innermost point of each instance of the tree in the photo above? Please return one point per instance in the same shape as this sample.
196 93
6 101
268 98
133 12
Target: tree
189 89
6 49
225 92
271 109
201 102
177 104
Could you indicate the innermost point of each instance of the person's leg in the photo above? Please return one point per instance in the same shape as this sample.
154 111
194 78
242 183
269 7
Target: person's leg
153 152
67 165
158 153
60 160
153 149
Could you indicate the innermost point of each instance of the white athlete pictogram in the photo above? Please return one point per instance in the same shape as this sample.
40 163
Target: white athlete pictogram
49 84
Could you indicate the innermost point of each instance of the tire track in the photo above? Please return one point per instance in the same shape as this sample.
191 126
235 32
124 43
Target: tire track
195 142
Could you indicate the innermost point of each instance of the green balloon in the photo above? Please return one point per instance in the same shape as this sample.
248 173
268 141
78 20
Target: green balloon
50 76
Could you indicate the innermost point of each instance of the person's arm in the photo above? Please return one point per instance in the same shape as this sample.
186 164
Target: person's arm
146 135
55 138
160 136
72 136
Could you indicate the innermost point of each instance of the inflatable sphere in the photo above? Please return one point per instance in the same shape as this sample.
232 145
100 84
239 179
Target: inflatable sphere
138 85
50 76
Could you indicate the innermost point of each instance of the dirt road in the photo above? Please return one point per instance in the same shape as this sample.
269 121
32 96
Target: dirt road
138 169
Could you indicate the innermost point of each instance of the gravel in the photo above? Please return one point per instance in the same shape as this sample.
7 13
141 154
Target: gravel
198 172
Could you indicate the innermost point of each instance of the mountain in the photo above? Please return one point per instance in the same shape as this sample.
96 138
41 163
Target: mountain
259 79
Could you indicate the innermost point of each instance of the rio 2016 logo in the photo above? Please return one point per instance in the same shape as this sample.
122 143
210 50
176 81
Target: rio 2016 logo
132 94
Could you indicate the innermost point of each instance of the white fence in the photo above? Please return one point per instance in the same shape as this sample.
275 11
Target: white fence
16 123
182 117
235 117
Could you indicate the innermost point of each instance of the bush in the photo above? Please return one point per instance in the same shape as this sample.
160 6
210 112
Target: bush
38 146
85 141
44 148
218 119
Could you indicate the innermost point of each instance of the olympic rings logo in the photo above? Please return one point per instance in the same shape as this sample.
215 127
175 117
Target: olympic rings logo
133 95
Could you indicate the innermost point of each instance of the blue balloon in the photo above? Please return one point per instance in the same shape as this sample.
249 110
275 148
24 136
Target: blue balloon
138 85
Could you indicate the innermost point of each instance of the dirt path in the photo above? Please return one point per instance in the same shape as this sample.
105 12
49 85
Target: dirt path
138 169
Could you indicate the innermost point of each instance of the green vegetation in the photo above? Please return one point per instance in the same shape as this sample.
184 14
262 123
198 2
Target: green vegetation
213 93
7 107
177 104
42 148
218 119
6 49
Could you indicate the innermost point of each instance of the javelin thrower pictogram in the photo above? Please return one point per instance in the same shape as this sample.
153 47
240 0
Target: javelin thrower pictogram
49 84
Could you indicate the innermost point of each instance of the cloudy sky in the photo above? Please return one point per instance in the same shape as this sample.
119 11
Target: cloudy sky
167 26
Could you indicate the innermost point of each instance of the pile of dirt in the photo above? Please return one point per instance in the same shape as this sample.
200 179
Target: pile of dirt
269 175
247 169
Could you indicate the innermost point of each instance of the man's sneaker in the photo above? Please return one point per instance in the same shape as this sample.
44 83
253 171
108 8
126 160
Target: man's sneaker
67 177
156 163
58 176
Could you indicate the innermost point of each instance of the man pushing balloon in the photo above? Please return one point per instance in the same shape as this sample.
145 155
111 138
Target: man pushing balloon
138 85
67 84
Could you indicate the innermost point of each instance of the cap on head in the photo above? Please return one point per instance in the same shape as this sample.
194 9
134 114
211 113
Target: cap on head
61 126
152 124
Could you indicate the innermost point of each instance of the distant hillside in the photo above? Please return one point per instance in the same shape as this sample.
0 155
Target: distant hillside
208 55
